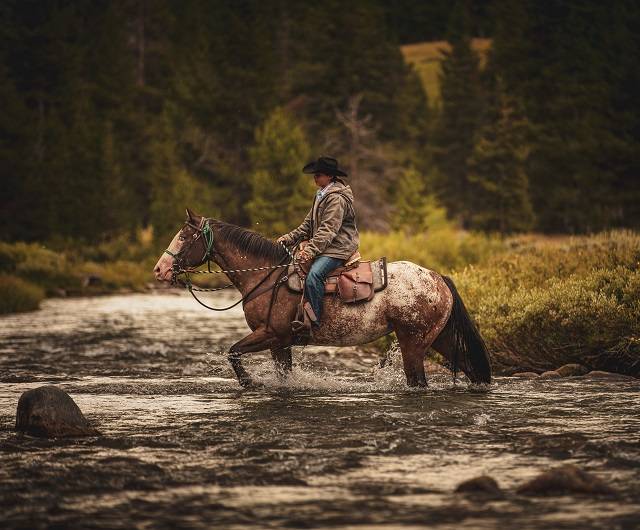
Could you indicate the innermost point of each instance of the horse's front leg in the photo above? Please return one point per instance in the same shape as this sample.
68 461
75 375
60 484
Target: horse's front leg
282 359
259 340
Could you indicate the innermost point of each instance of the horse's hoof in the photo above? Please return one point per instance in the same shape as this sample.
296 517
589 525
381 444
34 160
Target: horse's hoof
249 383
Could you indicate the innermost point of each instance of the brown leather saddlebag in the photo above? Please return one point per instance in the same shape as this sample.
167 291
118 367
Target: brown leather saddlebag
355 285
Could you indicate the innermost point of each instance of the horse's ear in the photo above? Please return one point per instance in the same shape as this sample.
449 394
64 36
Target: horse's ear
190 215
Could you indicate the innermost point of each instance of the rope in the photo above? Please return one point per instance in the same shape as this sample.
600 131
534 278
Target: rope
207 233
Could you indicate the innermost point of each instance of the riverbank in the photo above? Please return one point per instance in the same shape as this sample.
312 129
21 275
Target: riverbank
548 302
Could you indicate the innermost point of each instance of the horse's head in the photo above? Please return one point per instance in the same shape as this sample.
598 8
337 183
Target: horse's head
190 247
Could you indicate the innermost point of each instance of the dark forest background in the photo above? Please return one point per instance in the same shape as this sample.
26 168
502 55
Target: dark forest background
118 114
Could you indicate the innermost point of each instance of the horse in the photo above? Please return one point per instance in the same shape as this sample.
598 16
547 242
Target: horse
422 307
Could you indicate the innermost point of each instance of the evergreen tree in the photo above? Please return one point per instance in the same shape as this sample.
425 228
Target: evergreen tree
414 209
459 120
281 192
572 65
497 168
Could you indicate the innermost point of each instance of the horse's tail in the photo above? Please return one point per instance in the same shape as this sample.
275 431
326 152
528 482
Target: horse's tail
467 342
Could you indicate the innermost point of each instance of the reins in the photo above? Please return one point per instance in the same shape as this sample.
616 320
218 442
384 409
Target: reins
204 230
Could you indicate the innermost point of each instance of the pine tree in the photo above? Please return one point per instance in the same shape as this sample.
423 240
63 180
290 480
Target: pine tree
414 209
459 120
497 168
281 193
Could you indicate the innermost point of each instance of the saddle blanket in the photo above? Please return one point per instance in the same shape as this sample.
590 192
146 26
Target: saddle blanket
354 283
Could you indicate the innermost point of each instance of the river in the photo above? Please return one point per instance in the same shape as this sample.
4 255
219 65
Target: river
341 444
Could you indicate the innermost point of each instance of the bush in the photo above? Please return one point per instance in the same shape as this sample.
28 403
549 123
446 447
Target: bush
442 249
17 295
551 302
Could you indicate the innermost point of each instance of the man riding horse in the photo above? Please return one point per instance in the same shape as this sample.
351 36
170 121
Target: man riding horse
328 233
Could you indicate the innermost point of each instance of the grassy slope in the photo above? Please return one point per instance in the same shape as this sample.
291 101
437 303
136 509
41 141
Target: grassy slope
426 57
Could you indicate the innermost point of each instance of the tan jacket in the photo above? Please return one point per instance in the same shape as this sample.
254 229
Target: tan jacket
330 225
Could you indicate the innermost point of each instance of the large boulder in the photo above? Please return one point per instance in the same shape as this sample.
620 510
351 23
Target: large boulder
565 479
49 412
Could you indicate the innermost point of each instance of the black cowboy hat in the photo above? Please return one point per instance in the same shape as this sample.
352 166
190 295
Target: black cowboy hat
326 165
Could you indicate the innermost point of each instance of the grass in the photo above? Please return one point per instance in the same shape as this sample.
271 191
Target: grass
443 249
548 302
17 295
426 58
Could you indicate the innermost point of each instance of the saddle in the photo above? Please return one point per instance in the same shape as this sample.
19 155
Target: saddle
355 281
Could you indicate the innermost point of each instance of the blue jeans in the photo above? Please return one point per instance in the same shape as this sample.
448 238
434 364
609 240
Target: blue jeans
314 283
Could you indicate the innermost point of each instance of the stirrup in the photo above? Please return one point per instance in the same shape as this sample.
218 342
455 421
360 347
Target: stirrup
298 325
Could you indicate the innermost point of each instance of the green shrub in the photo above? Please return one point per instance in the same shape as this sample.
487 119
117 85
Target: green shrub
551 302
441 249
17 295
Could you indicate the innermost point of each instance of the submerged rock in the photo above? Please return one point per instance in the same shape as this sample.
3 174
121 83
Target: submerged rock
49 412
569 370
526 375
565 479
551 374
481 484
599 374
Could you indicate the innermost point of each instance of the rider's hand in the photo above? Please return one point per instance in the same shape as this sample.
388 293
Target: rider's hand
281 239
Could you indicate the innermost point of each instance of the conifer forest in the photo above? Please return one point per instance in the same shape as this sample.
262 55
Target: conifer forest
118 114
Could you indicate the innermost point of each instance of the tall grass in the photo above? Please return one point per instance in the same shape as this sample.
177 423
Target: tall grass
17 295
548 302
442 250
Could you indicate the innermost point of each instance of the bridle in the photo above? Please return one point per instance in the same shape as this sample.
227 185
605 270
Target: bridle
204 233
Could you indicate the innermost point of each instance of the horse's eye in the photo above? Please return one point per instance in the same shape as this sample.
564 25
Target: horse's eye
181 237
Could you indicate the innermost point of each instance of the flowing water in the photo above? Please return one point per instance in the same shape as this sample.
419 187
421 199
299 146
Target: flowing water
342 443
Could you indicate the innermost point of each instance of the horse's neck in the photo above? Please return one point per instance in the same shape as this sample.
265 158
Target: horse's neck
230 258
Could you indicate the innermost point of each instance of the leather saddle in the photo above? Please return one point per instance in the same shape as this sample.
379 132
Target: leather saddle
355 281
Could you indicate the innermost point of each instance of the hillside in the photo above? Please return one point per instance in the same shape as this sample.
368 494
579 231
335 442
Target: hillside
427 56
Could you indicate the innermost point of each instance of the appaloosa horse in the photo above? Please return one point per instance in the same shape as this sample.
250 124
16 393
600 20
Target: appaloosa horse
421 306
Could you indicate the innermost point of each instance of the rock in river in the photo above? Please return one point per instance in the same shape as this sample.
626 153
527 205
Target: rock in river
564 479
526 375
49 412
551 374
482 484
568 370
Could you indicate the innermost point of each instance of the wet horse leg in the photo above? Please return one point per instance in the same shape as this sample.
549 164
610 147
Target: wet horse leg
282 359
413 351
259 340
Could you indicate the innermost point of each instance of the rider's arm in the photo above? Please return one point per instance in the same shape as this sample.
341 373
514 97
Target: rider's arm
332 216
302 232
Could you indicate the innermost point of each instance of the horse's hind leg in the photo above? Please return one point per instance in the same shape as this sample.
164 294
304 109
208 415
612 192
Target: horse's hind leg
413 352
282 359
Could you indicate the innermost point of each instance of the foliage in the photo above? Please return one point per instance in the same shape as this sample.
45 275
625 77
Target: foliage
281 192
569 65
67 271
442 248
415 211
17 295
107 129
549 302
458 123
497 171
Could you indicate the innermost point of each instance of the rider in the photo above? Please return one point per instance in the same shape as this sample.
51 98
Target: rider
330 228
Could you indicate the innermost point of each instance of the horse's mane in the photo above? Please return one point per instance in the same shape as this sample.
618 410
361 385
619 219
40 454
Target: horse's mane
250 242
